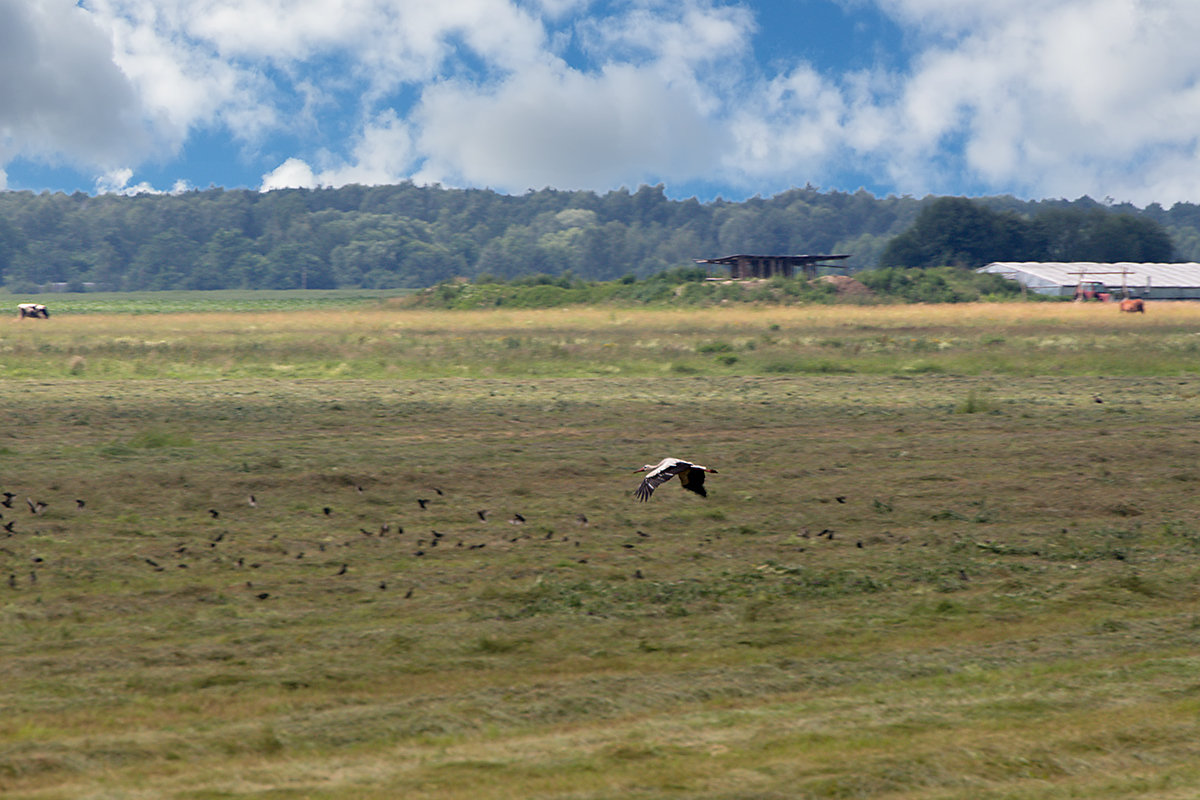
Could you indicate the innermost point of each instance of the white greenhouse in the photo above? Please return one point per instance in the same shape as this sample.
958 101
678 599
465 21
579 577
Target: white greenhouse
1126 278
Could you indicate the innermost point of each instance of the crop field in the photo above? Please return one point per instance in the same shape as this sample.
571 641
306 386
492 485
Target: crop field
950 552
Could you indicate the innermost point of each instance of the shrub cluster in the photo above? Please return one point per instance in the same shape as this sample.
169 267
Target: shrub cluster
687 286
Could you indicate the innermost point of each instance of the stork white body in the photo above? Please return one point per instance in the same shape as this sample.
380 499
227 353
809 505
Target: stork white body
691 477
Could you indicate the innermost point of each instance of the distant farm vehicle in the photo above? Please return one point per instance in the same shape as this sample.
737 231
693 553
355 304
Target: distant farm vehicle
34 310
1092 290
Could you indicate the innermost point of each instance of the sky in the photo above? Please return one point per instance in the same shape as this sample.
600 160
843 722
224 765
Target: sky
710 98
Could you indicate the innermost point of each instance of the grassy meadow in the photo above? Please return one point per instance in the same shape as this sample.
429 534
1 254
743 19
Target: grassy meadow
951 552
381 341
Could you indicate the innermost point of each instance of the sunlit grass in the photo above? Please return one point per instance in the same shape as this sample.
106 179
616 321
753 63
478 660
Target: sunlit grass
1010 338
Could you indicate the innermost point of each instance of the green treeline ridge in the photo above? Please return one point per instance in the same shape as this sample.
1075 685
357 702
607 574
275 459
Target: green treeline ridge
409 236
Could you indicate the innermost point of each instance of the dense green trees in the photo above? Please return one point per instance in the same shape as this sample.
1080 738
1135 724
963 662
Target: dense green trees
413 236
961 232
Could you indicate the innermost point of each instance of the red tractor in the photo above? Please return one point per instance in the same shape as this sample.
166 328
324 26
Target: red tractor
1092 290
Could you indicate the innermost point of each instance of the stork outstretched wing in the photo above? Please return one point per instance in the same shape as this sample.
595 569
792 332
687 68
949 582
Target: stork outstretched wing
691 477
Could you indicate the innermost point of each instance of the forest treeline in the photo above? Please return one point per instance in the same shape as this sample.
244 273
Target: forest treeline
405 235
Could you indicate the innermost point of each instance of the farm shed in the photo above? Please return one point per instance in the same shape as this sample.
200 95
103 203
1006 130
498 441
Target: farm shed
1061 278
750 266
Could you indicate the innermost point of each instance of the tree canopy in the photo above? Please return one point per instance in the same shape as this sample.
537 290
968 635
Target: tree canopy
406 235
961 232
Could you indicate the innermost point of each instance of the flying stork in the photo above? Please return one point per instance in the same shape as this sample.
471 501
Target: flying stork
691 477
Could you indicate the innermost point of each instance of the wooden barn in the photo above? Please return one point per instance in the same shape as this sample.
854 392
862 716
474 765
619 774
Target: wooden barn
751 266
1126 279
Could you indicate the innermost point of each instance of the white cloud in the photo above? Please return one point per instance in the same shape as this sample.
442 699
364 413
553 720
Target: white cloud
382 154
62 97
815 114
1034 97
555 9
652 111
182 82
116 181
294 173
1061 98
552 126
689 32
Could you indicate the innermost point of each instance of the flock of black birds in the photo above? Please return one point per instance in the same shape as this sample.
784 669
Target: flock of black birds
418 545
217 546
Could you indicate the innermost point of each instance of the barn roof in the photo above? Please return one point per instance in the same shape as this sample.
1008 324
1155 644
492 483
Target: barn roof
795 260
1070 273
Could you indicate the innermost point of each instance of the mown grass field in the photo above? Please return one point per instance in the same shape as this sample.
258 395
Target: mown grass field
950 553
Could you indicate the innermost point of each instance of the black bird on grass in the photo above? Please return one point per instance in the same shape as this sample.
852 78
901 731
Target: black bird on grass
482 514
517 519
214 513
35 507
422 502
344 569
79 504
691 477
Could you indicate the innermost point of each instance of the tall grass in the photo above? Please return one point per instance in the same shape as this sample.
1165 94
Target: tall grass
1020 339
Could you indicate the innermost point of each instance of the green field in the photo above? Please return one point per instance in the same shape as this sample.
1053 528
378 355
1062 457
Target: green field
177 302
951 552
